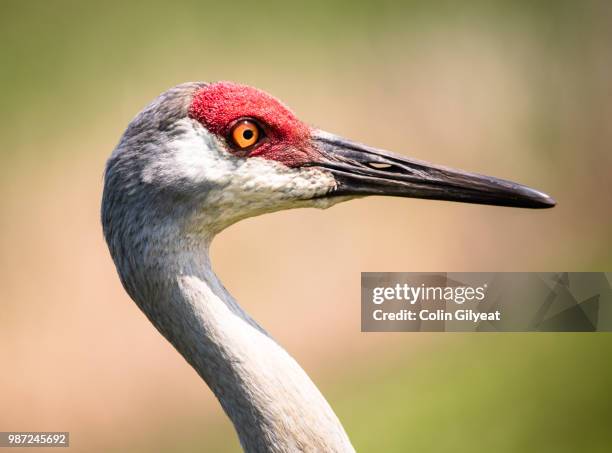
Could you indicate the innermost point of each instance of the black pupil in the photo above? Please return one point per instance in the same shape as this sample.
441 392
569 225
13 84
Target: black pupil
248 134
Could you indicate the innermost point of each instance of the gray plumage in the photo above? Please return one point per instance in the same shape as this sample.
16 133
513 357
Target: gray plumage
158 220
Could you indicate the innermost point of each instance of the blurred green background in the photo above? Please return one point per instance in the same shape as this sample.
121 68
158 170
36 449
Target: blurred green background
521 90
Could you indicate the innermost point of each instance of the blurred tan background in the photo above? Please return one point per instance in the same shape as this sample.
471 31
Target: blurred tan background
521 90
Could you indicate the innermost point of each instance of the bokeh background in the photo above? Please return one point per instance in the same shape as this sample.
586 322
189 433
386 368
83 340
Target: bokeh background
521 90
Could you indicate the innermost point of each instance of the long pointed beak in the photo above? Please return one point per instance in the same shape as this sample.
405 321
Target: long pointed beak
362 170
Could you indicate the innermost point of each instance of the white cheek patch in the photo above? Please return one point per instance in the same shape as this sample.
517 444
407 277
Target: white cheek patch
237 187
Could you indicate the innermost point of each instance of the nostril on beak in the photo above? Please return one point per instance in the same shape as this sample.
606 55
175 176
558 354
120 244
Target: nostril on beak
383 166
379 166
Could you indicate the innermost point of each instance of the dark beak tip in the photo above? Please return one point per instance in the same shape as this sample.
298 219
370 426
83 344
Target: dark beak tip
549 202
540 200
544 204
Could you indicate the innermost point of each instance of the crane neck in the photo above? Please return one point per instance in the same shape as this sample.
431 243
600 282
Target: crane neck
273 404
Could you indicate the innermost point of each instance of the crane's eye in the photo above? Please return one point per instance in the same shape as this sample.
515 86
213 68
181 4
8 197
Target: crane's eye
245 133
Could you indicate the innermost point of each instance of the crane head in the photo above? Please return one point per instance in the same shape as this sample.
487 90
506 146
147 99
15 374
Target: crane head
229 151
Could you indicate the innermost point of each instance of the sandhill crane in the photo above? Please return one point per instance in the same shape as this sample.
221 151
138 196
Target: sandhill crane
203 156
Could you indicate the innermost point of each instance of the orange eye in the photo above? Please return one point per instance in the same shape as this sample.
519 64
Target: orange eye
245 133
